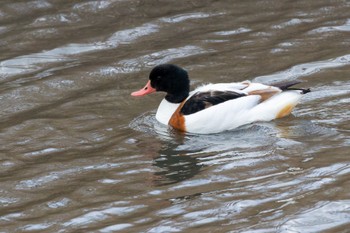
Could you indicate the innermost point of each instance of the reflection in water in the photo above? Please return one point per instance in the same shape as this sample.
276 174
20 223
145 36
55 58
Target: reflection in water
175 167
181 157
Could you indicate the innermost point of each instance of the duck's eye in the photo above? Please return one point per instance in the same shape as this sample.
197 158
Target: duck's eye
159 77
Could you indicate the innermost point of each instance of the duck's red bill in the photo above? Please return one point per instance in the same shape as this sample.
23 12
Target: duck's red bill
148 89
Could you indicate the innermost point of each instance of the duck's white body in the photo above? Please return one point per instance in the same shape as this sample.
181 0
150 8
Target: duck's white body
262 103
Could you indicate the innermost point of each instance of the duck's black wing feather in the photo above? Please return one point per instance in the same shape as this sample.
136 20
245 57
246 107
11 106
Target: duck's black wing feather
203 100
284 86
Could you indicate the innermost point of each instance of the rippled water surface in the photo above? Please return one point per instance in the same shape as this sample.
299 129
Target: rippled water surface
79 154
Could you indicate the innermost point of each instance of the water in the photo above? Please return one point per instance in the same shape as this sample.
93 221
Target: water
79 154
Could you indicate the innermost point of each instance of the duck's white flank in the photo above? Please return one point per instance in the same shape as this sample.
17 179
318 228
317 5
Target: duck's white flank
257 106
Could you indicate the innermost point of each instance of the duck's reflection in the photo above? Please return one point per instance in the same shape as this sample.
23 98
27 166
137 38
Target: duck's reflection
177 157
174 167
171 162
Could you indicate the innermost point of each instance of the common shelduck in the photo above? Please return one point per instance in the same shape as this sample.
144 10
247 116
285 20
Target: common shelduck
213 108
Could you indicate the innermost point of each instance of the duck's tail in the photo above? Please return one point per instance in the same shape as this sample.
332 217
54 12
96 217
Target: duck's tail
285 86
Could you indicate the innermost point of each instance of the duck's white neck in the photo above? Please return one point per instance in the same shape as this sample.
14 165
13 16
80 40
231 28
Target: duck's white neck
165 111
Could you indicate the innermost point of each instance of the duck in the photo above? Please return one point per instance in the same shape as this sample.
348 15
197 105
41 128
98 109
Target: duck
214 108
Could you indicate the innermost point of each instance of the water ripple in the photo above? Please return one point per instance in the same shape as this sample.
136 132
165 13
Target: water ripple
305 69
320 218
189 16
345 28
102 214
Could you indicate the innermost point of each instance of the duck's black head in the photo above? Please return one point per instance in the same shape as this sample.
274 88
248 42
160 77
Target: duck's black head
171 79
